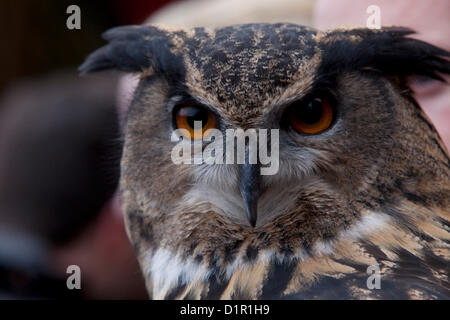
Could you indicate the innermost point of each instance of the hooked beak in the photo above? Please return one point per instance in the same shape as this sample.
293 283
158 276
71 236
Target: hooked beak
250 190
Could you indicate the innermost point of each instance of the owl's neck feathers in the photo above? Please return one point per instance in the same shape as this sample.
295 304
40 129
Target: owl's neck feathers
169 269
173 275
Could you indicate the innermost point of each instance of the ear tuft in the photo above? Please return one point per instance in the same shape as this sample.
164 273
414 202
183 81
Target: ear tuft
408 56
129 49
388 50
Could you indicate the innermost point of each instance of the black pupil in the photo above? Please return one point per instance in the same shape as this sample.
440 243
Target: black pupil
310 112
195 114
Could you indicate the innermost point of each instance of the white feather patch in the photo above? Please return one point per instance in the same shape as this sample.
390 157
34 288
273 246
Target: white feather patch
167 271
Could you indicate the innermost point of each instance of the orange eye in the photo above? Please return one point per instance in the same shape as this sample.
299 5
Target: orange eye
312 117
187 116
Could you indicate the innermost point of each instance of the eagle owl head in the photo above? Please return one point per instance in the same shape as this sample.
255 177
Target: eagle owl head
362 176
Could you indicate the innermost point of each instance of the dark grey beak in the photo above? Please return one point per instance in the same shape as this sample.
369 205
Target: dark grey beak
250 190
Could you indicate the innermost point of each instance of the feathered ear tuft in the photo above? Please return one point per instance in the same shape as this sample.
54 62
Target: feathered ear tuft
388 50
131 49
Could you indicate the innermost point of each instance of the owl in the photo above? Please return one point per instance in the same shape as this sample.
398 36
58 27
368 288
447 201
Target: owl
359 206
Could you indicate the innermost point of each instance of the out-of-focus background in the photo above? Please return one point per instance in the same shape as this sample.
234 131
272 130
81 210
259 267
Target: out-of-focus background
60 138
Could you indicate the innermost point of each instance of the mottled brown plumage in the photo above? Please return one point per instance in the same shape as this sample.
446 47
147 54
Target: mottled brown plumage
373 189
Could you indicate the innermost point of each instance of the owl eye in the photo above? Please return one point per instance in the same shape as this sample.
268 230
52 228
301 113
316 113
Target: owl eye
187 115
311 117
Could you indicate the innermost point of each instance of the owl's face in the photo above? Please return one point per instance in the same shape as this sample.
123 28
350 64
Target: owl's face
350 140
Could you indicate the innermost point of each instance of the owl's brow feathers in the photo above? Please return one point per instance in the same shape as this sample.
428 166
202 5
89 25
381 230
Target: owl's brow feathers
158 50
254 65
